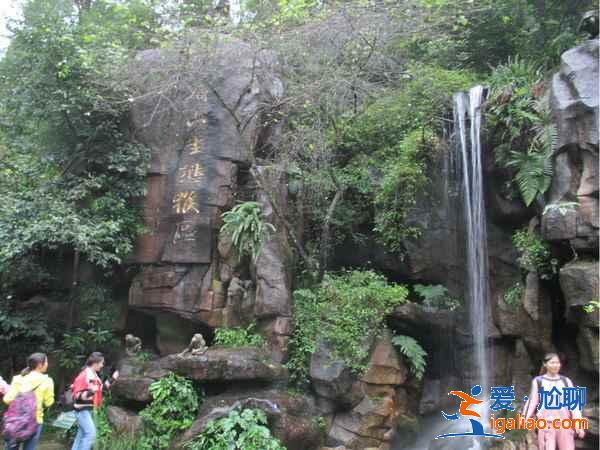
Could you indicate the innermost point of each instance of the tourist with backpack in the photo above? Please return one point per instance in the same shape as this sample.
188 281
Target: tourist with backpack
549 378
87 396
28 395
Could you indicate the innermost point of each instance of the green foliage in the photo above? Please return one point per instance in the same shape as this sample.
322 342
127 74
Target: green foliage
70 169
436 296
413 351
593 305
346 310
512 296
527 135
535 254
403 178
143 356
103 428
119 442
173 409
238 337
95 332
245 430
22 331
492 30
385 151
247 228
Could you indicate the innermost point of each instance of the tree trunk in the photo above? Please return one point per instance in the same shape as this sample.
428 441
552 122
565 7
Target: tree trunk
325 236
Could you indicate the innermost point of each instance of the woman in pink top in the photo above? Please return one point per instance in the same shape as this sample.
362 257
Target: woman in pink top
550 438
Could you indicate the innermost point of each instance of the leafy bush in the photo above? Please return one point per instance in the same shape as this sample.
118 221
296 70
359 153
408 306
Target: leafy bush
345 310
513 295
413 351
95 333
174 405
245 430
403 177
436 296
527 135
238 337
593 305
247 228
535 254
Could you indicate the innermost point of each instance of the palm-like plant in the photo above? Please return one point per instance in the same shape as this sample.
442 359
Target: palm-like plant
247 228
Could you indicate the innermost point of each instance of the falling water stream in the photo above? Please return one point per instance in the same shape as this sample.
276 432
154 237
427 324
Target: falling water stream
467 161
476 233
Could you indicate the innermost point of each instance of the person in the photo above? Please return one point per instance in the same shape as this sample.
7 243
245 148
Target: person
3 386
87 396
550 438
32 378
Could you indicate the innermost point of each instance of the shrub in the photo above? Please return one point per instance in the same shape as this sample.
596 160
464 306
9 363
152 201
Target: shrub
238 337
245 430
173 409
346 310
535 254
512 296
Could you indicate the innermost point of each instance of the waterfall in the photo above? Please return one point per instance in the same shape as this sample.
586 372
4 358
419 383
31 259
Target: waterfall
474 209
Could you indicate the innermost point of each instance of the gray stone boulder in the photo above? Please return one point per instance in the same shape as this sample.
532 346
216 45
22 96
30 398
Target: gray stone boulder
579 283
332 378
216 365
574 102
225 364
574 96
292 418
587 344
123 420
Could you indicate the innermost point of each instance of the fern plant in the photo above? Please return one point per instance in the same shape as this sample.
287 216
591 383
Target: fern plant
534 166
413 351
247 228
436 296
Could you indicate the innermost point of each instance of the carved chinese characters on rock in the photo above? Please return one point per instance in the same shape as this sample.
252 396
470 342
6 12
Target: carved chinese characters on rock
190 173
185 202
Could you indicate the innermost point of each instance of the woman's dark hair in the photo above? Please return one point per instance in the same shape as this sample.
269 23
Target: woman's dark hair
94 358
547 357
33 362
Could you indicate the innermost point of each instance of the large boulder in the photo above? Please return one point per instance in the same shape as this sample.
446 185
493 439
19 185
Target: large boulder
292 418
199 110
123 420
216 365
574 96
365 415
332 378
574 102
225 365
579 283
